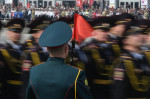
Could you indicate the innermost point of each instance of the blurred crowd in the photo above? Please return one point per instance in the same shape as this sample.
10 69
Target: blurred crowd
56 12
115 57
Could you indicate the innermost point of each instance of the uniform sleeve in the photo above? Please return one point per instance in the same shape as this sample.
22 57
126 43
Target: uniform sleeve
83 91
2 71
119 83
29 92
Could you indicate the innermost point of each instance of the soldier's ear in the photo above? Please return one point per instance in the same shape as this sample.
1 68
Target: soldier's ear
66 48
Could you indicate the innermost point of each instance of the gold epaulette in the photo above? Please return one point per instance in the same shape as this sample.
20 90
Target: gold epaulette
125 57
109 42
29 40
146 50
90 47
96 47
103 82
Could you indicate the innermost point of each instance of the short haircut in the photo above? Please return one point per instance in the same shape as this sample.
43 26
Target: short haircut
57 50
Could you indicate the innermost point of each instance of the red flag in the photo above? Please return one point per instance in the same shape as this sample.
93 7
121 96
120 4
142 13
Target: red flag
82 29
91 2
85 1
28 6
79 3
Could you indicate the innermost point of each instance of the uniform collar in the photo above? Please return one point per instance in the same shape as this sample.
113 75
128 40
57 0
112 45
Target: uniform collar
58 59
13 45
113 36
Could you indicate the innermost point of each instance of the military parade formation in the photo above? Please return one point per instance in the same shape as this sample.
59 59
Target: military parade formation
112 63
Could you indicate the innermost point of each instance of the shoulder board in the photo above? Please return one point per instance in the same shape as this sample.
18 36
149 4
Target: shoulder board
74 67
29 40
146 50
90 47
125 57
111 42
93 46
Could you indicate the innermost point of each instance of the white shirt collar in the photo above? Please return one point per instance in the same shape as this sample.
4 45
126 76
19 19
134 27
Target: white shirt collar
15 46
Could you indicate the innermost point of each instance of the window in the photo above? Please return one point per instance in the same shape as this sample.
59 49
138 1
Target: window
122 4
40 4
50 3
132 5
35 4
45 4
136 5
30 2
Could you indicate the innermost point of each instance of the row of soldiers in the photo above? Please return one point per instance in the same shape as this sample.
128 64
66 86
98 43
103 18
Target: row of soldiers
116 58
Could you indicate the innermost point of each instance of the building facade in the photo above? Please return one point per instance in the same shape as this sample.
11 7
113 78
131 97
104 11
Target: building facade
47 3
72 3
133 4
129 4
1 1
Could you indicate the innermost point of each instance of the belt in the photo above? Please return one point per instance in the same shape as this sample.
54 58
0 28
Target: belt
14 82
99 81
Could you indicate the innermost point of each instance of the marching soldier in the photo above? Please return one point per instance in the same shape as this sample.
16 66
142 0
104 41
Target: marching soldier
98 61
34 54
57 77
132 72
10 61
119 25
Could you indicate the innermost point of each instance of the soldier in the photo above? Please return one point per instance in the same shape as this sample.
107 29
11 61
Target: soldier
99 60
34 54
55 72
36 28
119 25
10 60
131 73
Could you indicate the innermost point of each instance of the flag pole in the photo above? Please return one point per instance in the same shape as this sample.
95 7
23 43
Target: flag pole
73 40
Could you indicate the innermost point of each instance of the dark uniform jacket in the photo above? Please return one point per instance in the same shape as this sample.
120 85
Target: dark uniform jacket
56 80
98 68
33 55
128 82
10 71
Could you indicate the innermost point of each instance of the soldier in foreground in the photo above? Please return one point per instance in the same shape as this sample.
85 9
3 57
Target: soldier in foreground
55 76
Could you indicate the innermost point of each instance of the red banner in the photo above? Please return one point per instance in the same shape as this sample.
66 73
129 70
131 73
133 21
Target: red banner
82 29
79 3
85 1
28 6
91 2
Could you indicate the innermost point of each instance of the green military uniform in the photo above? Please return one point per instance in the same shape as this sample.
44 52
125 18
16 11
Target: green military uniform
55 79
